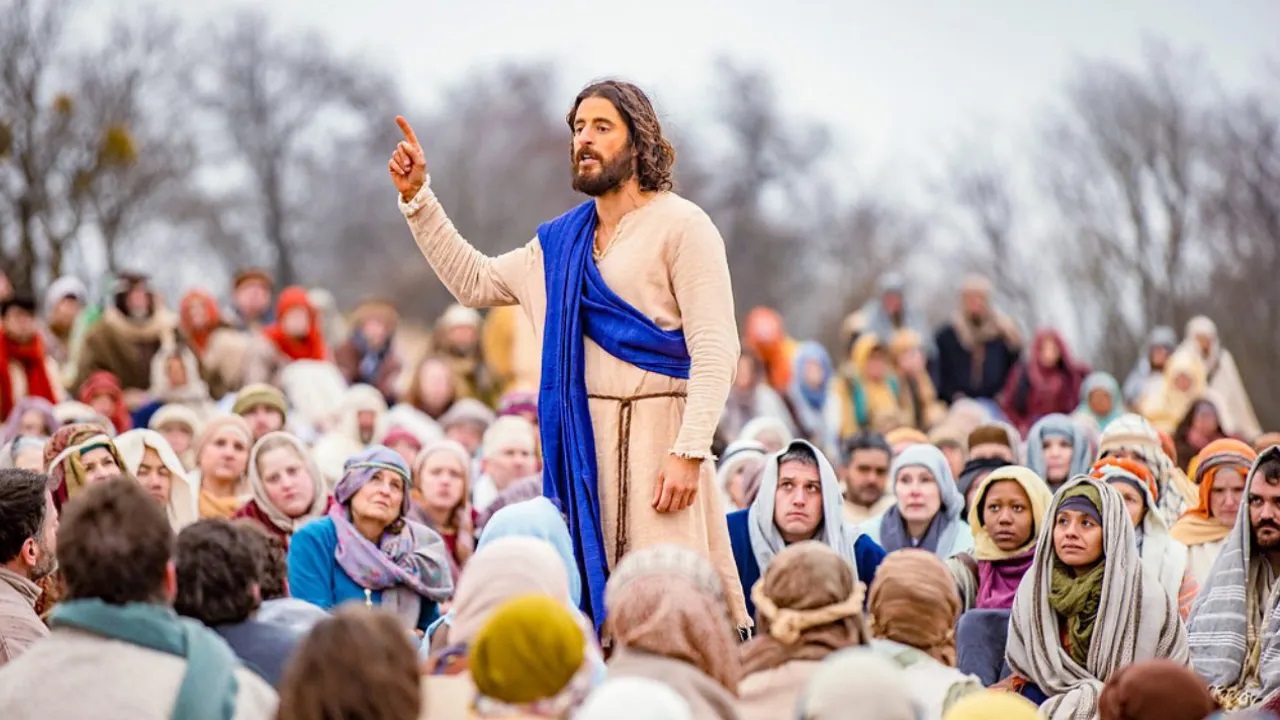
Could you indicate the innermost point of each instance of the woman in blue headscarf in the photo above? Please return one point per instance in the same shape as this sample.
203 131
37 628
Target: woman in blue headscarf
366 550
1058 449
1100 402
815 406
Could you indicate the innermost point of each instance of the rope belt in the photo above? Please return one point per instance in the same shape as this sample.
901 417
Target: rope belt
625 406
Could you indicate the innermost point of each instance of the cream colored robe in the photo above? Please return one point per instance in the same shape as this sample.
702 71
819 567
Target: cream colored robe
667 260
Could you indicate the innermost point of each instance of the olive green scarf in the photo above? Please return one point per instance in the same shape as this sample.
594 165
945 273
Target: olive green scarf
1077 597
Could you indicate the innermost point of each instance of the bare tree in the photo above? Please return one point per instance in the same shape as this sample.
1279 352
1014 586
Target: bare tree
988 236
282 103
1124 166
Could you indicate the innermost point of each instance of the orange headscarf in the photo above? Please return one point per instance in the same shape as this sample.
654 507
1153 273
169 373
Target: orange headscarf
1135 468
766 336
198 336
310 347
1197 526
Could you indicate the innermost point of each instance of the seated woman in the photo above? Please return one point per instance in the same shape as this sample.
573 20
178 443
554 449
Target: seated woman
365 549
913 606
222 457
809 606
24 453
1010 504
1087 608
78 456
670 622
31 416
1219 472
288 490
149 458
442 474
927 514
1058 449
1163 556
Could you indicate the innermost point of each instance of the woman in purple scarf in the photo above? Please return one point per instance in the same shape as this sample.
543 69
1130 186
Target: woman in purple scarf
366 550
1007 508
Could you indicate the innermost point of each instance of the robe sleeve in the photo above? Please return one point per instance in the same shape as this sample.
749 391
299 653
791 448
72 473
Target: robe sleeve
311 567
475 279
700 281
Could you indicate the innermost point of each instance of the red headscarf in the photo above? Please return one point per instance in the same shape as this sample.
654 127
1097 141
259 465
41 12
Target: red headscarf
198 337
31 358
310 347
104 383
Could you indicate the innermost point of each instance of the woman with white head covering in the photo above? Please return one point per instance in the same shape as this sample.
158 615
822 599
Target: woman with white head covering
767 430
737 463
1086 609
1223 376
1058 449
149 458
288 490
929 508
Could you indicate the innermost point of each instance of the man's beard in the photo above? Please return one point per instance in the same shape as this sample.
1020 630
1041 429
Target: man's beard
613 172
1270 545
47 565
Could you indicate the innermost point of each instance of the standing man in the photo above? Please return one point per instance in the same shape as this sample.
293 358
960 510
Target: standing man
631 300
28 546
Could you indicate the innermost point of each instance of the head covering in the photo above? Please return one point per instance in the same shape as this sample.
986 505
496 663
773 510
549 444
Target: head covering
29 404
214 428
536 518
1156 690
758 426
10 451
319 500
993 705
530 657
1198 526
634 698
1167 409
901 435
256 394
1219 631
1164 558
1134 434
914 601
67 286
1000 571
467 410
1203 326
766 539
62 458
133 445
735 456
944 533
399 434
175 413
667 600
1135 619
1106 382
502 569
858 678
996 433
102 382
309 347
810 605
410 562
518 402
74 412
1057 425
809 403
973 470
1266 440
511 431
458 316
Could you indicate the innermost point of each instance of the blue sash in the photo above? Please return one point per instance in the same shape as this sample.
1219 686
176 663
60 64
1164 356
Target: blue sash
580 304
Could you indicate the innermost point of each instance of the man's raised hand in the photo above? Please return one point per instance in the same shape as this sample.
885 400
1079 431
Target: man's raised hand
408 165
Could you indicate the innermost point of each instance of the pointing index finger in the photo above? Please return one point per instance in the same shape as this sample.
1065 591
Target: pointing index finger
407 130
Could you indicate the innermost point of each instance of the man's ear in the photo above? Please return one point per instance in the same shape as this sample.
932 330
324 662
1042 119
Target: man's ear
256 590
30 552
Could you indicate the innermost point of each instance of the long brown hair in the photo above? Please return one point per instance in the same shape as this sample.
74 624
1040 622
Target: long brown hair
655 157
358 663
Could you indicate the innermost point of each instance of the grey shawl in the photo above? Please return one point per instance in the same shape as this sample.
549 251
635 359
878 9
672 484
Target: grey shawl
1218 628
766 540
947 525
1137 620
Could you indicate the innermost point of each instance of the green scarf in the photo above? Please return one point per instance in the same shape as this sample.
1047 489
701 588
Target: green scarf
1077 597
209 687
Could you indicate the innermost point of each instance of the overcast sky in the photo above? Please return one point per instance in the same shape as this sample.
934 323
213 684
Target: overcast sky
900 81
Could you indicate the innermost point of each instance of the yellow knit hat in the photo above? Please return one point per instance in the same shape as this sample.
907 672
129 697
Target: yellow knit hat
992 705
251 396
529 650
